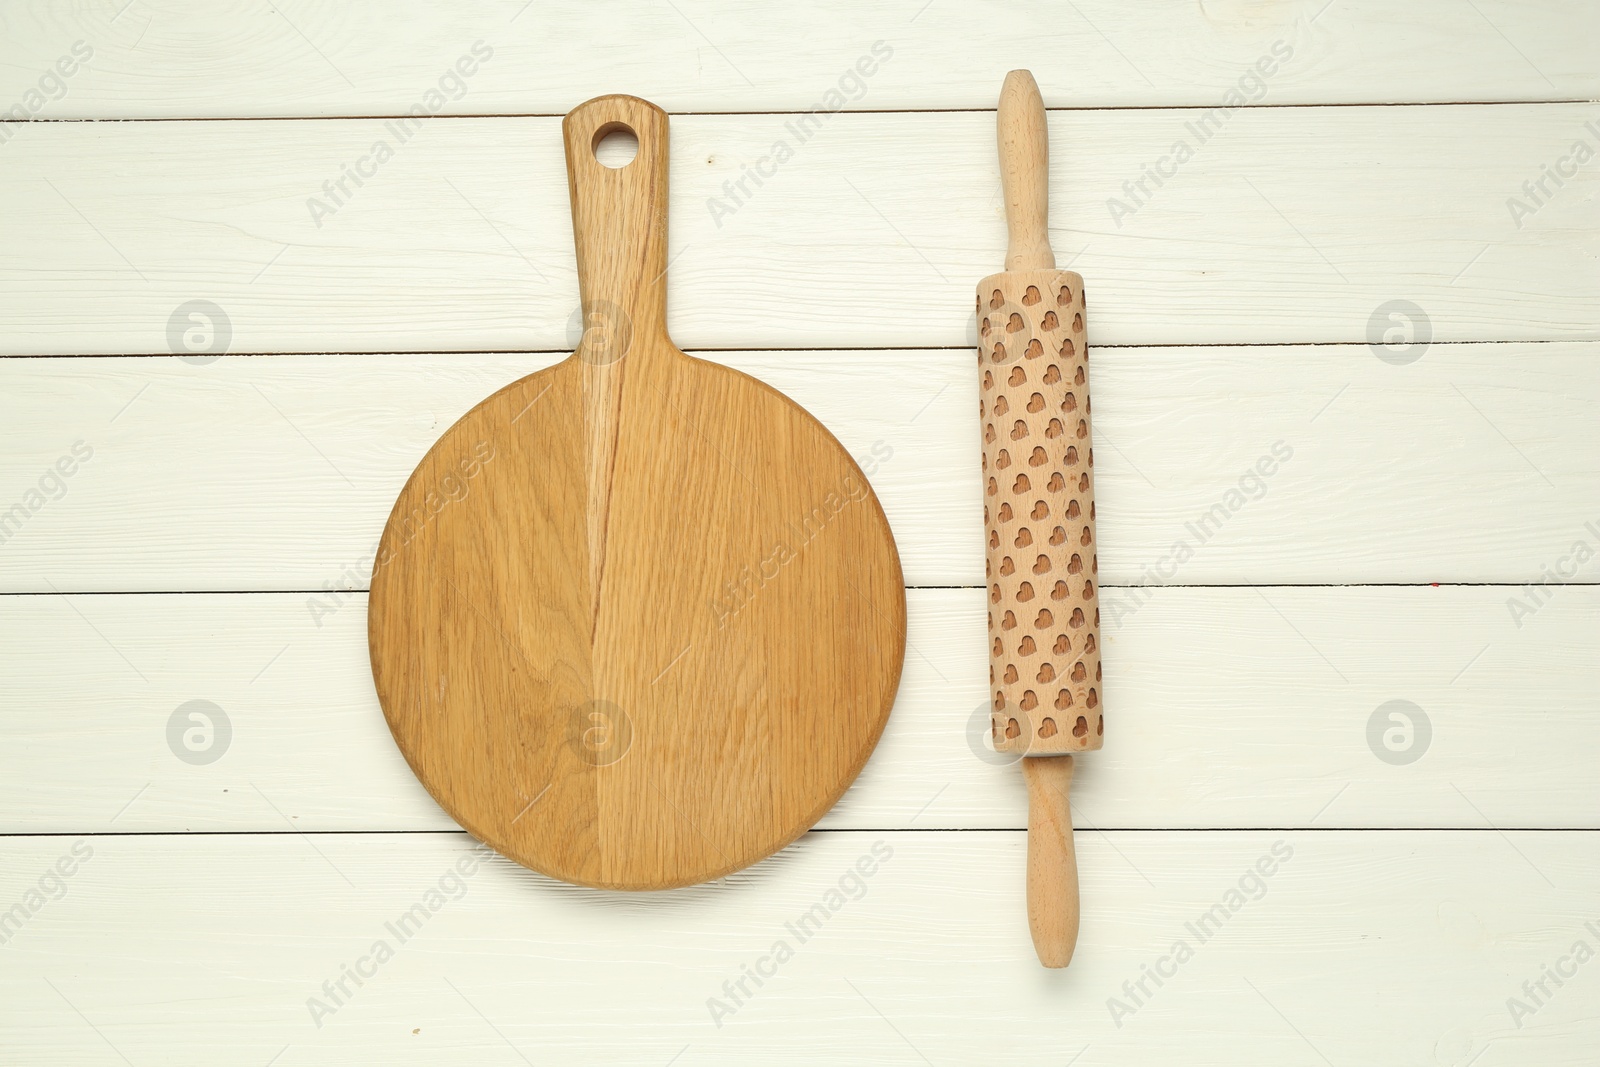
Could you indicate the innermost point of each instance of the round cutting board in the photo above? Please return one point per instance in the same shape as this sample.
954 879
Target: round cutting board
637 620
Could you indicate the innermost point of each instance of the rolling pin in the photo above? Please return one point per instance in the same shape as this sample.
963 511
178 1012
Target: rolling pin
1038 495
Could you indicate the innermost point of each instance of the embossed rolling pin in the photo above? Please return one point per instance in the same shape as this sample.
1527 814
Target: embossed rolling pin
1038 496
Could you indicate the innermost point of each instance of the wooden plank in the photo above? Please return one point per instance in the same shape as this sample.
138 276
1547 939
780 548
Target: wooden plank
251 474
1285 225
1423 900
1225 708
191 950
171 59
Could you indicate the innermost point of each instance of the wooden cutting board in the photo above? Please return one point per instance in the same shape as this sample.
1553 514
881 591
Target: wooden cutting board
637 620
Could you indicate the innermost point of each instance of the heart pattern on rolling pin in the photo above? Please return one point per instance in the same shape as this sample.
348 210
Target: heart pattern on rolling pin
1038 483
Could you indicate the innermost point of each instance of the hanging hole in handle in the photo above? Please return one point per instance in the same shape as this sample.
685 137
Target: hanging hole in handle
615 145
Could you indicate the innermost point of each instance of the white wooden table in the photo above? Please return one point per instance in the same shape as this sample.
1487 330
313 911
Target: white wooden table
1382 269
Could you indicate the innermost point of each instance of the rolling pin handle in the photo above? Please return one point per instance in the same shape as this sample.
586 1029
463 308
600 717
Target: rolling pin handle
1025 173
1052 860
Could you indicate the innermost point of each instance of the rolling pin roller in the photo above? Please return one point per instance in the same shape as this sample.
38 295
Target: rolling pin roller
1038 486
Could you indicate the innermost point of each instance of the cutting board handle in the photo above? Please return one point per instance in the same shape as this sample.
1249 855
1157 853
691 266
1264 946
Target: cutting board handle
1025 173
619 224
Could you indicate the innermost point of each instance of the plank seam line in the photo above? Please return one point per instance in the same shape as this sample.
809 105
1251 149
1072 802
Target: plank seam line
378 117
907 348
978 587
856 830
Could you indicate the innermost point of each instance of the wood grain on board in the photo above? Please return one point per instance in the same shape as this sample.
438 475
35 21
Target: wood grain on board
637 620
